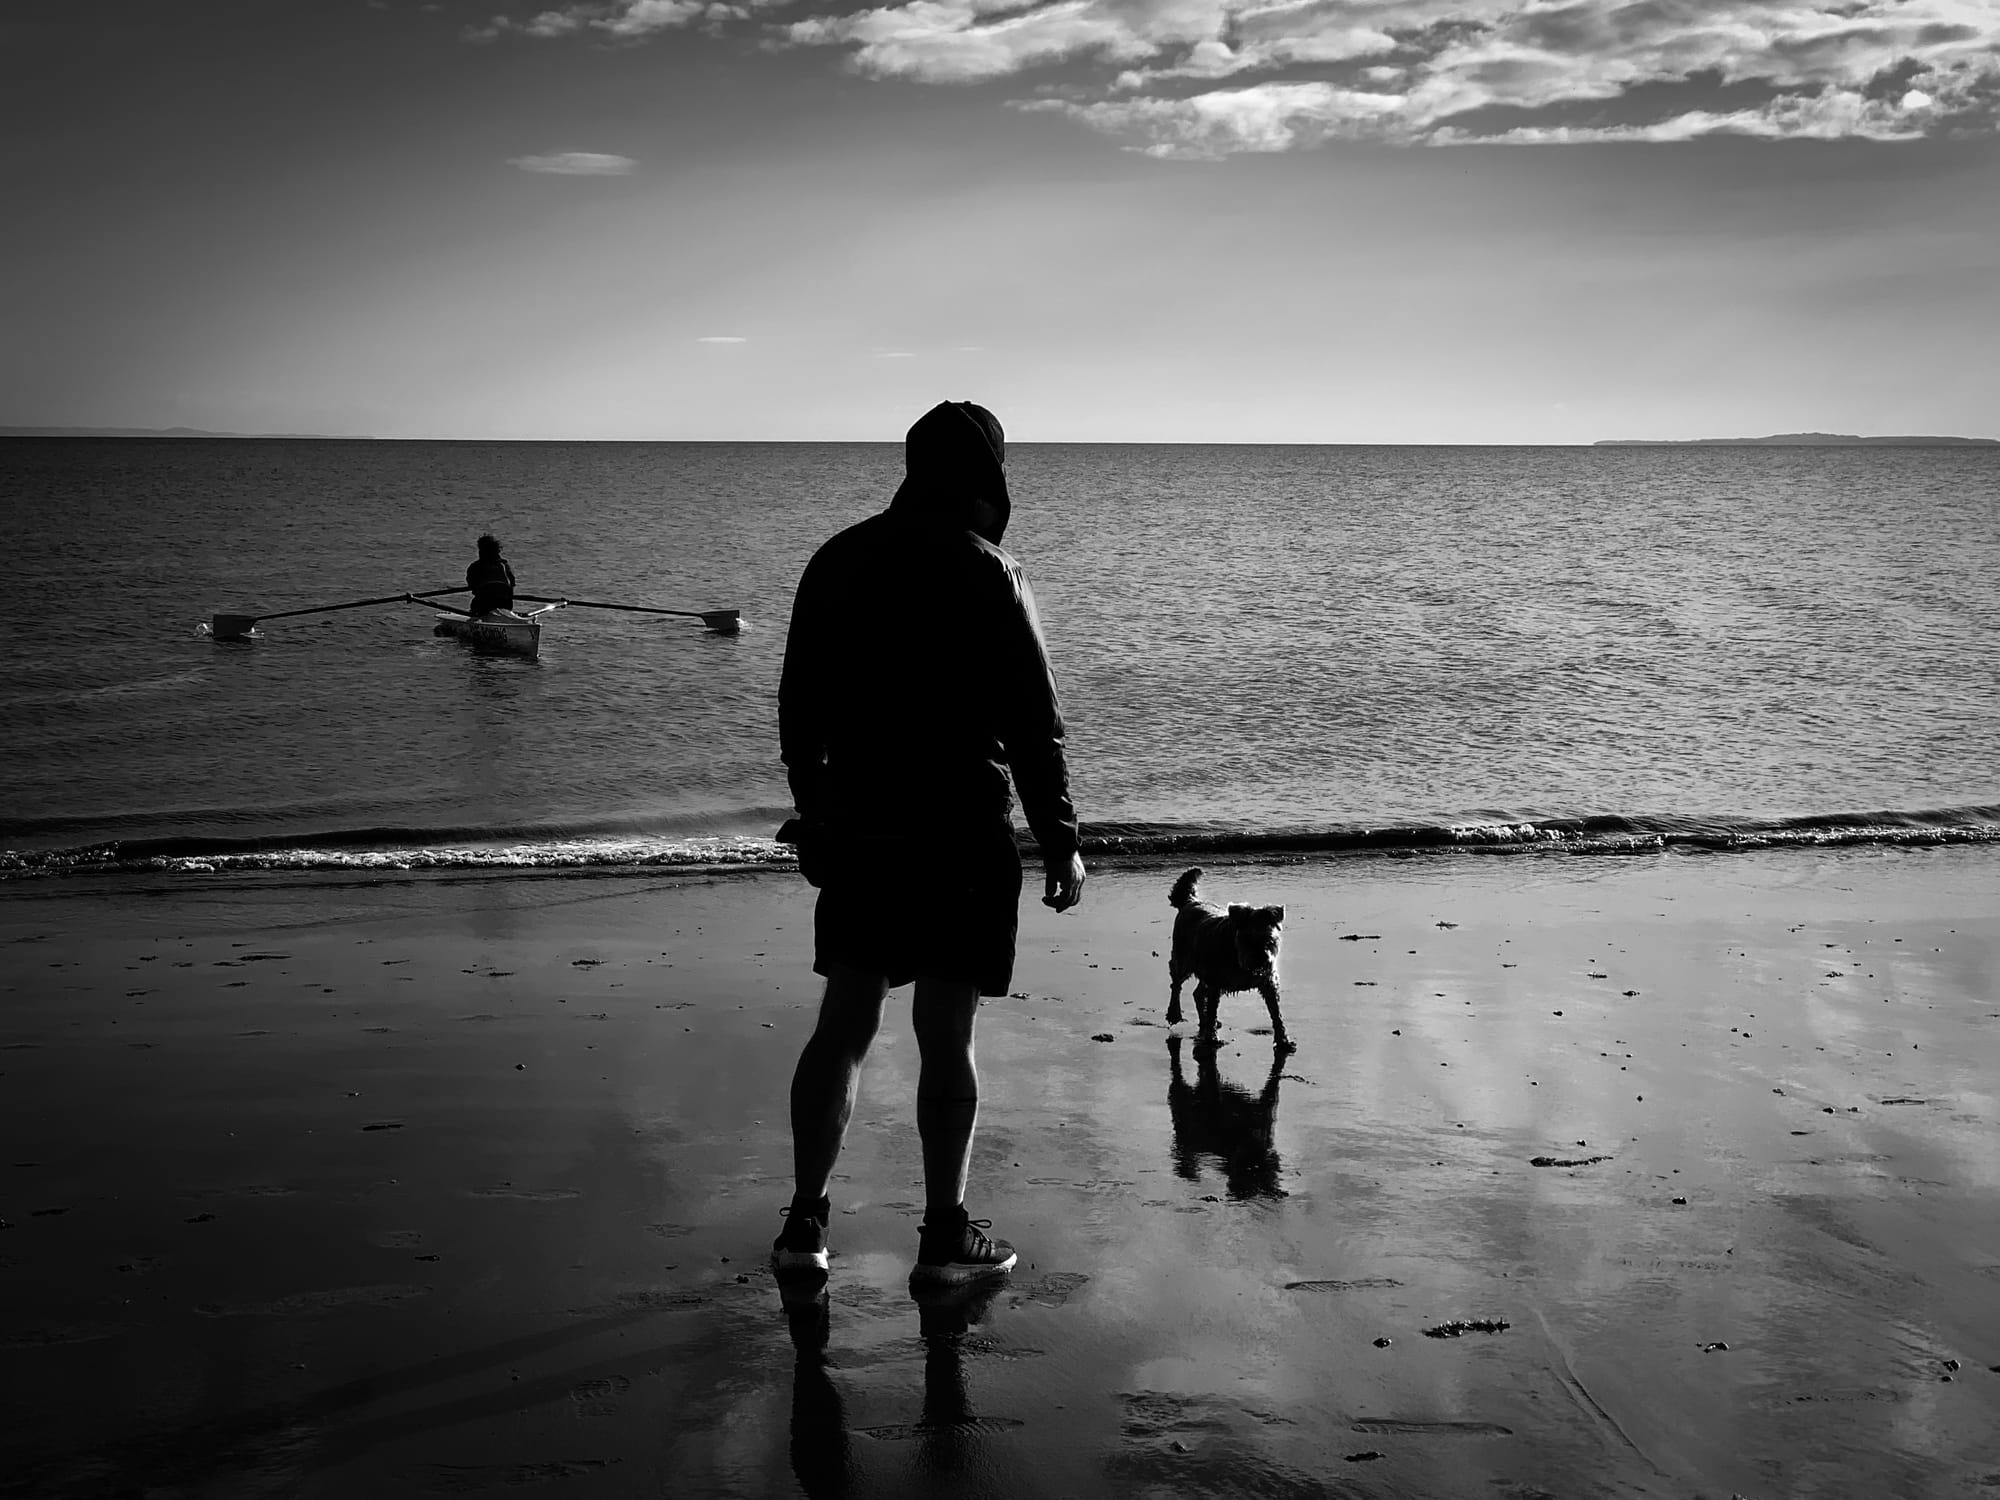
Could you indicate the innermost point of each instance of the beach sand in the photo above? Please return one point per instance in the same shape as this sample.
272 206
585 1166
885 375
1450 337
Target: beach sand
447 1186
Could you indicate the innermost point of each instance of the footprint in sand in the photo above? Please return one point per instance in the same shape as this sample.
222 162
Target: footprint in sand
313 1304
467 1479
1403 1428
1056 1288
60 1333
662 1298
1158 1414
1459 1327
599 1398
903 1432
1358 1283
529 1195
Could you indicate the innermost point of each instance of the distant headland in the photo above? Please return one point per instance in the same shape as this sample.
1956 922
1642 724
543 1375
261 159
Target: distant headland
147 432
1800 440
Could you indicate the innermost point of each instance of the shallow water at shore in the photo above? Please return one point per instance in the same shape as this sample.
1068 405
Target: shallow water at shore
324 1187
1250 640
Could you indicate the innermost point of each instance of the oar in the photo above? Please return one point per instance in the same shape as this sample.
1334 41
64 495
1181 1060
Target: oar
235 627
726 621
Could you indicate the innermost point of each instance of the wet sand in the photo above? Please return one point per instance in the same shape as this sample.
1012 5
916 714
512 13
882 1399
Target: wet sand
457 1186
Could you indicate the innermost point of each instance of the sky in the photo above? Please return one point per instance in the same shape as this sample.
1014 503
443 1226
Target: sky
1373 221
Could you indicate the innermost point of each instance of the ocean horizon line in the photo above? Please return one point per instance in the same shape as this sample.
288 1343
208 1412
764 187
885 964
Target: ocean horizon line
1775 440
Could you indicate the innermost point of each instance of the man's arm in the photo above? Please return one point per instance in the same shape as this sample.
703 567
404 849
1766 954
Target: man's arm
801 709
1034 736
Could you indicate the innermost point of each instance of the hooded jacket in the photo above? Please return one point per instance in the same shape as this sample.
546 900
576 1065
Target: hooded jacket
915 673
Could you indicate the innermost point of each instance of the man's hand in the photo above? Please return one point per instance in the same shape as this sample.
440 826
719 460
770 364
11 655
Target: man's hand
1065 883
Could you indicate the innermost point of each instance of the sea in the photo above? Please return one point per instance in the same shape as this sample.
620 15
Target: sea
1264 651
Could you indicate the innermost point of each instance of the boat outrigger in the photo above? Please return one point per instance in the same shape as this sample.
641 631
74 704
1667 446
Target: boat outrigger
518 633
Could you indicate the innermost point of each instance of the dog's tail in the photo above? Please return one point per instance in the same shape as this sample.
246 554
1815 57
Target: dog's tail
1183 891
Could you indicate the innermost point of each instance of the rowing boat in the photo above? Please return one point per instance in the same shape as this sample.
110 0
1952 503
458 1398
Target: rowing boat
519 634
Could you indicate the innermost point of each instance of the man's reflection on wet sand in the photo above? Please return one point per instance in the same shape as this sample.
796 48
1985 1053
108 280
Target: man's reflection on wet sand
1226 1124
949 1434
820 1459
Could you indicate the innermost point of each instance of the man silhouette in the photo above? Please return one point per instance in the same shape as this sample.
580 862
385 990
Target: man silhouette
915 681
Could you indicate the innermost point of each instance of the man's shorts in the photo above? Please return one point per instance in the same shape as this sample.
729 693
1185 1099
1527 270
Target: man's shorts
945 907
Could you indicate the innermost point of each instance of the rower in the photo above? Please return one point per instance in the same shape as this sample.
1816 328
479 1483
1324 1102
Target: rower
491 581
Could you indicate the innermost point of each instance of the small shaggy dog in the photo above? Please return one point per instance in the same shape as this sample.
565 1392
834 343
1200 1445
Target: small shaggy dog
1225 951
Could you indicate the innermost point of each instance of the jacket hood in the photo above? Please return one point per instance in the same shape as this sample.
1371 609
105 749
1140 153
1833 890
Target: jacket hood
955 454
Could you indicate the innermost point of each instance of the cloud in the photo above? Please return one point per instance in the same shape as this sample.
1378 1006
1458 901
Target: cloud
1829 115
623 20
1210 78
721 338
950 41
575 164
1261 117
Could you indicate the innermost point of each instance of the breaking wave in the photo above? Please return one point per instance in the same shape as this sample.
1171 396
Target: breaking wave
409 849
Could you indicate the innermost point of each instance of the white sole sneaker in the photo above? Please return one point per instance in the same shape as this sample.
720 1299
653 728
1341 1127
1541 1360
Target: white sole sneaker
958 1271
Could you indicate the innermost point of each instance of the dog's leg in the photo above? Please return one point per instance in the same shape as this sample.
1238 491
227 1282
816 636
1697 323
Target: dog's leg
1268 988
1178 976
1207 1000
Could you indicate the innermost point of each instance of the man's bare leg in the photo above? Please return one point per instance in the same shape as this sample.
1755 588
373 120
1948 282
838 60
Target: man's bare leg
944 1012
951 1249
829 1075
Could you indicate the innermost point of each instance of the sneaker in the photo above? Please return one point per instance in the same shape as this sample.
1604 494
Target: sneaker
957 1250
801 1246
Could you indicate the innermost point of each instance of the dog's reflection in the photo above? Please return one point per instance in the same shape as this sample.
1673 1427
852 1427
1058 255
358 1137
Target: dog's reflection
949 1433
1226 1124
